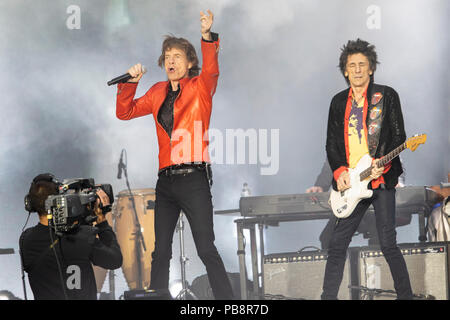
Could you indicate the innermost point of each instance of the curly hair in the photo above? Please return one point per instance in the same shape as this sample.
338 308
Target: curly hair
358 46
182 44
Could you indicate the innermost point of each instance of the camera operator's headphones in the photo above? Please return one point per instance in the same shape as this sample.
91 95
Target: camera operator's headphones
29 205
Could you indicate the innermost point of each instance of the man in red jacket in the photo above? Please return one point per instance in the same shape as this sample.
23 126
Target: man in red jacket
181 108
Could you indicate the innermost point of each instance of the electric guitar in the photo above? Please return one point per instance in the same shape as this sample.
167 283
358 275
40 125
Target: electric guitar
344 202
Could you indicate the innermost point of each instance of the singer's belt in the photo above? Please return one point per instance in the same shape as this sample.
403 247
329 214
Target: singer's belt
182 169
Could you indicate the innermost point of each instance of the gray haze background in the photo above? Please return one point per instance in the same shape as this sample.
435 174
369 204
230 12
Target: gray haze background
278 65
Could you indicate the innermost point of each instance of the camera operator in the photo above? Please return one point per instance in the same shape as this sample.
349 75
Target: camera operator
71 275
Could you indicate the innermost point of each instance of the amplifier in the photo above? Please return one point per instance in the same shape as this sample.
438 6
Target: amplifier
428 268
299 275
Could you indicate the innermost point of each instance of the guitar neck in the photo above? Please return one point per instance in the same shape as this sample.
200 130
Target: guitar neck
391 155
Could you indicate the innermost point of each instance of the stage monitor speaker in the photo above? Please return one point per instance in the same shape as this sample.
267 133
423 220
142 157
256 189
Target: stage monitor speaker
299 275
143 294
202 289
428 268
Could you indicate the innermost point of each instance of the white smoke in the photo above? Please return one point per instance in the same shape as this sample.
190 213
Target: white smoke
278 64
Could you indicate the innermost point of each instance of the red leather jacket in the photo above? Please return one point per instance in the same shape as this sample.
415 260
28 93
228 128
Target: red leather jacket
192 111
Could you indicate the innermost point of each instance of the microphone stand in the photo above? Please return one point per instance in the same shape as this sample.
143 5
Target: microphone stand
112 284
139 236
182 295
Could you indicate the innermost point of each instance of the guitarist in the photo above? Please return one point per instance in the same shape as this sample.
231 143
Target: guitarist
364 119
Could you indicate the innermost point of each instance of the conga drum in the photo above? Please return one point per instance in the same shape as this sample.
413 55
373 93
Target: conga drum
136 264
99 272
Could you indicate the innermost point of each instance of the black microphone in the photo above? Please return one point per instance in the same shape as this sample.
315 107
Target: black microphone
123 78
120 166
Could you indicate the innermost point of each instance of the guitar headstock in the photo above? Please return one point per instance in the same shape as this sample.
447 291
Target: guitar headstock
416 140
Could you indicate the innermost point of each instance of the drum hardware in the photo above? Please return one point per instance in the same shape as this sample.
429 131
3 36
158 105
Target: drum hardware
138 233
115 212
139 237
101 273
111 274
150 205
183 259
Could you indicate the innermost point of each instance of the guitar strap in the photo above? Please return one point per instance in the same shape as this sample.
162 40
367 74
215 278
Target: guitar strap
375 117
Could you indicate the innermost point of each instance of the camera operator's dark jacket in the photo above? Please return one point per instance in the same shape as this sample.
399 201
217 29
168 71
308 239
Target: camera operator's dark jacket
391 136
76 252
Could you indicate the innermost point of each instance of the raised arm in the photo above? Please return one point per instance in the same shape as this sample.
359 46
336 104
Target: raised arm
210 51
206 22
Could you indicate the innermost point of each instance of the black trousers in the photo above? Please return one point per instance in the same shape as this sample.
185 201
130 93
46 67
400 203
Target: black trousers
367 227
191 193
383 201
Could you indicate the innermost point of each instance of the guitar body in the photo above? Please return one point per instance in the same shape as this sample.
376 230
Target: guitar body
343 203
